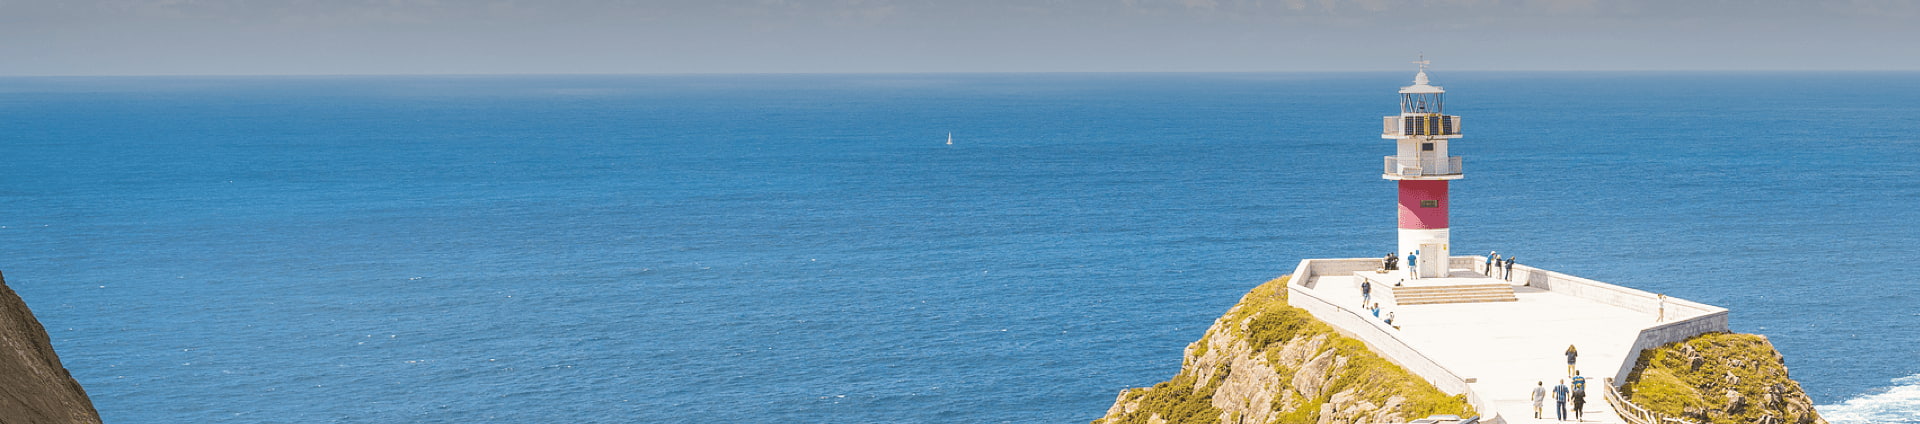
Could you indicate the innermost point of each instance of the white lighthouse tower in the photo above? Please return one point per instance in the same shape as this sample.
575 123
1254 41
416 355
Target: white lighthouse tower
1422 168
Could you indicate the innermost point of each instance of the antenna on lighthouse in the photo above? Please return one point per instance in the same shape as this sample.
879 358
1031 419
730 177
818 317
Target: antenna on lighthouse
1421 78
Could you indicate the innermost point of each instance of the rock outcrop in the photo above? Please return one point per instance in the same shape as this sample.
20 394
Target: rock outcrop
34 387
1719 378
1266 362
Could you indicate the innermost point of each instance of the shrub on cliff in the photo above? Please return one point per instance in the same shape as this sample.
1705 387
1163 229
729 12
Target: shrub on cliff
1719 378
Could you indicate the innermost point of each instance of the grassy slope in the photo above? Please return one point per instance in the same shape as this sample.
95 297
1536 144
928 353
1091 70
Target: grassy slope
1691 379
1273 324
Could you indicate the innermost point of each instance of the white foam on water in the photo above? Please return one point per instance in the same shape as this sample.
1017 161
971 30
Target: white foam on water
1899 404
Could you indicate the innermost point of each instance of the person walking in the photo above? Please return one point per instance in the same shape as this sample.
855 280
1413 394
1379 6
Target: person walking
1560 401
1366 292
1571 354
1509 269
1539 395
1663 310
1493 261
1579 397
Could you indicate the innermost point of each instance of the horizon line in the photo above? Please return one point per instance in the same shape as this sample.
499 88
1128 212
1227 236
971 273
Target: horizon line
505 74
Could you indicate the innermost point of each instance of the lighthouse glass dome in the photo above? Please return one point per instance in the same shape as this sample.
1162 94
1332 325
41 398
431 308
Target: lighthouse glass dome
1421 103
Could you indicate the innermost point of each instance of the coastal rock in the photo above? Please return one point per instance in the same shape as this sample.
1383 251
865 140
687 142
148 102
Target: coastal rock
34 386
1264 361
1309 381
1719 378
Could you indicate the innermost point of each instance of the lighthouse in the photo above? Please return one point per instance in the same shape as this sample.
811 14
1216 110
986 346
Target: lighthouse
1421 167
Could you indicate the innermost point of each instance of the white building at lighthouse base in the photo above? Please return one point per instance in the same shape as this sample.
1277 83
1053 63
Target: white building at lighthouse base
1430 243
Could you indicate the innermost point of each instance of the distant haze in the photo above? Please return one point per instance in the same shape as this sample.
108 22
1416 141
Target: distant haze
153 37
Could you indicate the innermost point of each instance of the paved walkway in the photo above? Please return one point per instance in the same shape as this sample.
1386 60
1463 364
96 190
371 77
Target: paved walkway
1509 346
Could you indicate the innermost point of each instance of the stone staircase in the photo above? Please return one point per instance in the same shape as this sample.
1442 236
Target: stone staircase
1464 293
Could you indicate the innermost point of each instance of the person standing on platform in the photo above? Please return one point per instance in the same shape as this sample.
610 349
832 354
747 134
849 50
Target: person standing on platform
1413 264
1560 401
1493 261
1539 395
1509 269
1579 397
1571 354
1495 271
1500 267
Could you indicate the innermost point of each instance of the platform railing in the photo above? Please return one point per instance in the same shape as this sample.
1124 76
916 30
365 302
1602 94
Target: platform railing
1634 414
1415 167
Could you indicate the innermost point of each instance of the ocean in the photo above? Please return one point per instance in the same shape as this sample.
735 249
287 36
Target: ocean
808 248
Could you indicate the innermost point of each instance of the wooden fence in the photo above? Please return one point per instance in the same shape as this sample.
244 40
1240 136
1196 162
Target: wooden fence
1634 414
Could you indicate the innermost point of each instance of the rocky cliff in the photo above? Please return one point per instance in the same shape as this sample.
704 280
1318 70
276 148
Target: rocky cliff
34 387
1266 362
1719 378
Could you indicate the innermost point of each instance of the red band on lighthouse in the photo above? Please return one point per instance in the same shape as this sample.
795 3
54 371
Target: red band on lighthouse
1423 204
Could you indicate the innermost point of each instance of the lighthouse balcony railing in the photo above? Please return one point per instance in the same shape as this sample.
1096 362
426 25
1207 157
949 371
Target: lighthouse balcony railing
1418 167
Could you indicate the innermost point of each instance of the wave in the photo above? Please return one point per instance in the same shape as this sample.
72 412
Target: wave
1899 404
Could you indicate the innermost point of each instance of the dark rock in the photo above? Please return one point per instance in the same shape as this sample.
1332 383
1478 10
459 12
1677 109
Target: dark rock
34 386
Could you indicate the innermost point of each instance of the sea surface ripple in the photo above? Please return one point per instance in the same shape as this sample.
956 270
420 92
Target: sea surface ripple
807 248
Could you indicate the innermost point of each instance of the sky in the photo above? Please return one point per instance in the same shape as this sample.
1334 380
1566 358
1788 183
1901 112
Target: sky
328 37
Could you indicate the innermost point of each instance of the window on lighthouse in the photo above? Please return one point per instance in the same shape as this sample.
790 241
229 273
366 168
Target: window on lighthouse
1429 203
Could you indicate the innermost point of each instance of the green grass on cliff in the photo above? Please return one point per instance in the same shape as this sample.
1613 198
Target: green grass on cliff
1691 379
1273 324
1176 401
1377 379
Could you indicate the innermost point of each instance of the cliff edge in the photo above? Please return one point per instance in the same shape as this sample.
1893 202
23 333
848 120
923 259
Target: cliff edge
1264 362
1719 378
34 387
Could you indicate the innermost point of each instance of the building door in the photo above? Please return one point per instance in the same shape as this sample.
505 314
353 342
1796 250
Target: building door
1434 259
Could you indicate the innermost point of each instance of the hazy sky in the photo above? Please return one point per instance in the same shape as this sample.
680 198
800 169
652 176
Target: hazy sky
146 37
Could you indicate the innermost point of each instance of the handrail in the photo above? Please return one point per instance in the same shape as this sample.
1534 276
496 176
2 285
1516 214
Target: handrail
1416 167
1634 414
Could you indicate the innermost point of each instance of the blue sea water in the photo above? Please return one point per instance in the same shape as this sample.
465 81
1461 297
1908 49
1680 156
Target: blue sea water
806 248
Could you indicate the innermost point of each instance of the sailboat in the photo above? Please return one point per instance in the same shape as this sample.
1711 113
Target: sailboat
949 139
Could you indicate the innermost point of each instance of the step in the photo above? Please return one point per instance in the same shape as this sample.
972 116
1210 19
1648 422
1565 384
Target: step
1417 289
1471 293
1431 301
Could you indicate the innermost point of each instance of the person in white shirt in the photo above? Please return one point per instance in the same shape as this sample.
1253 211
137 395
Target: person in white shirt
1539 395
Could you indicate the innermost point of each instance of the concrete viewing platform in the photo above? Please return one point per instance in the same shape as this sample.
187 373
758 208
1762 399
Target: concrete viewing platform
1495 351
